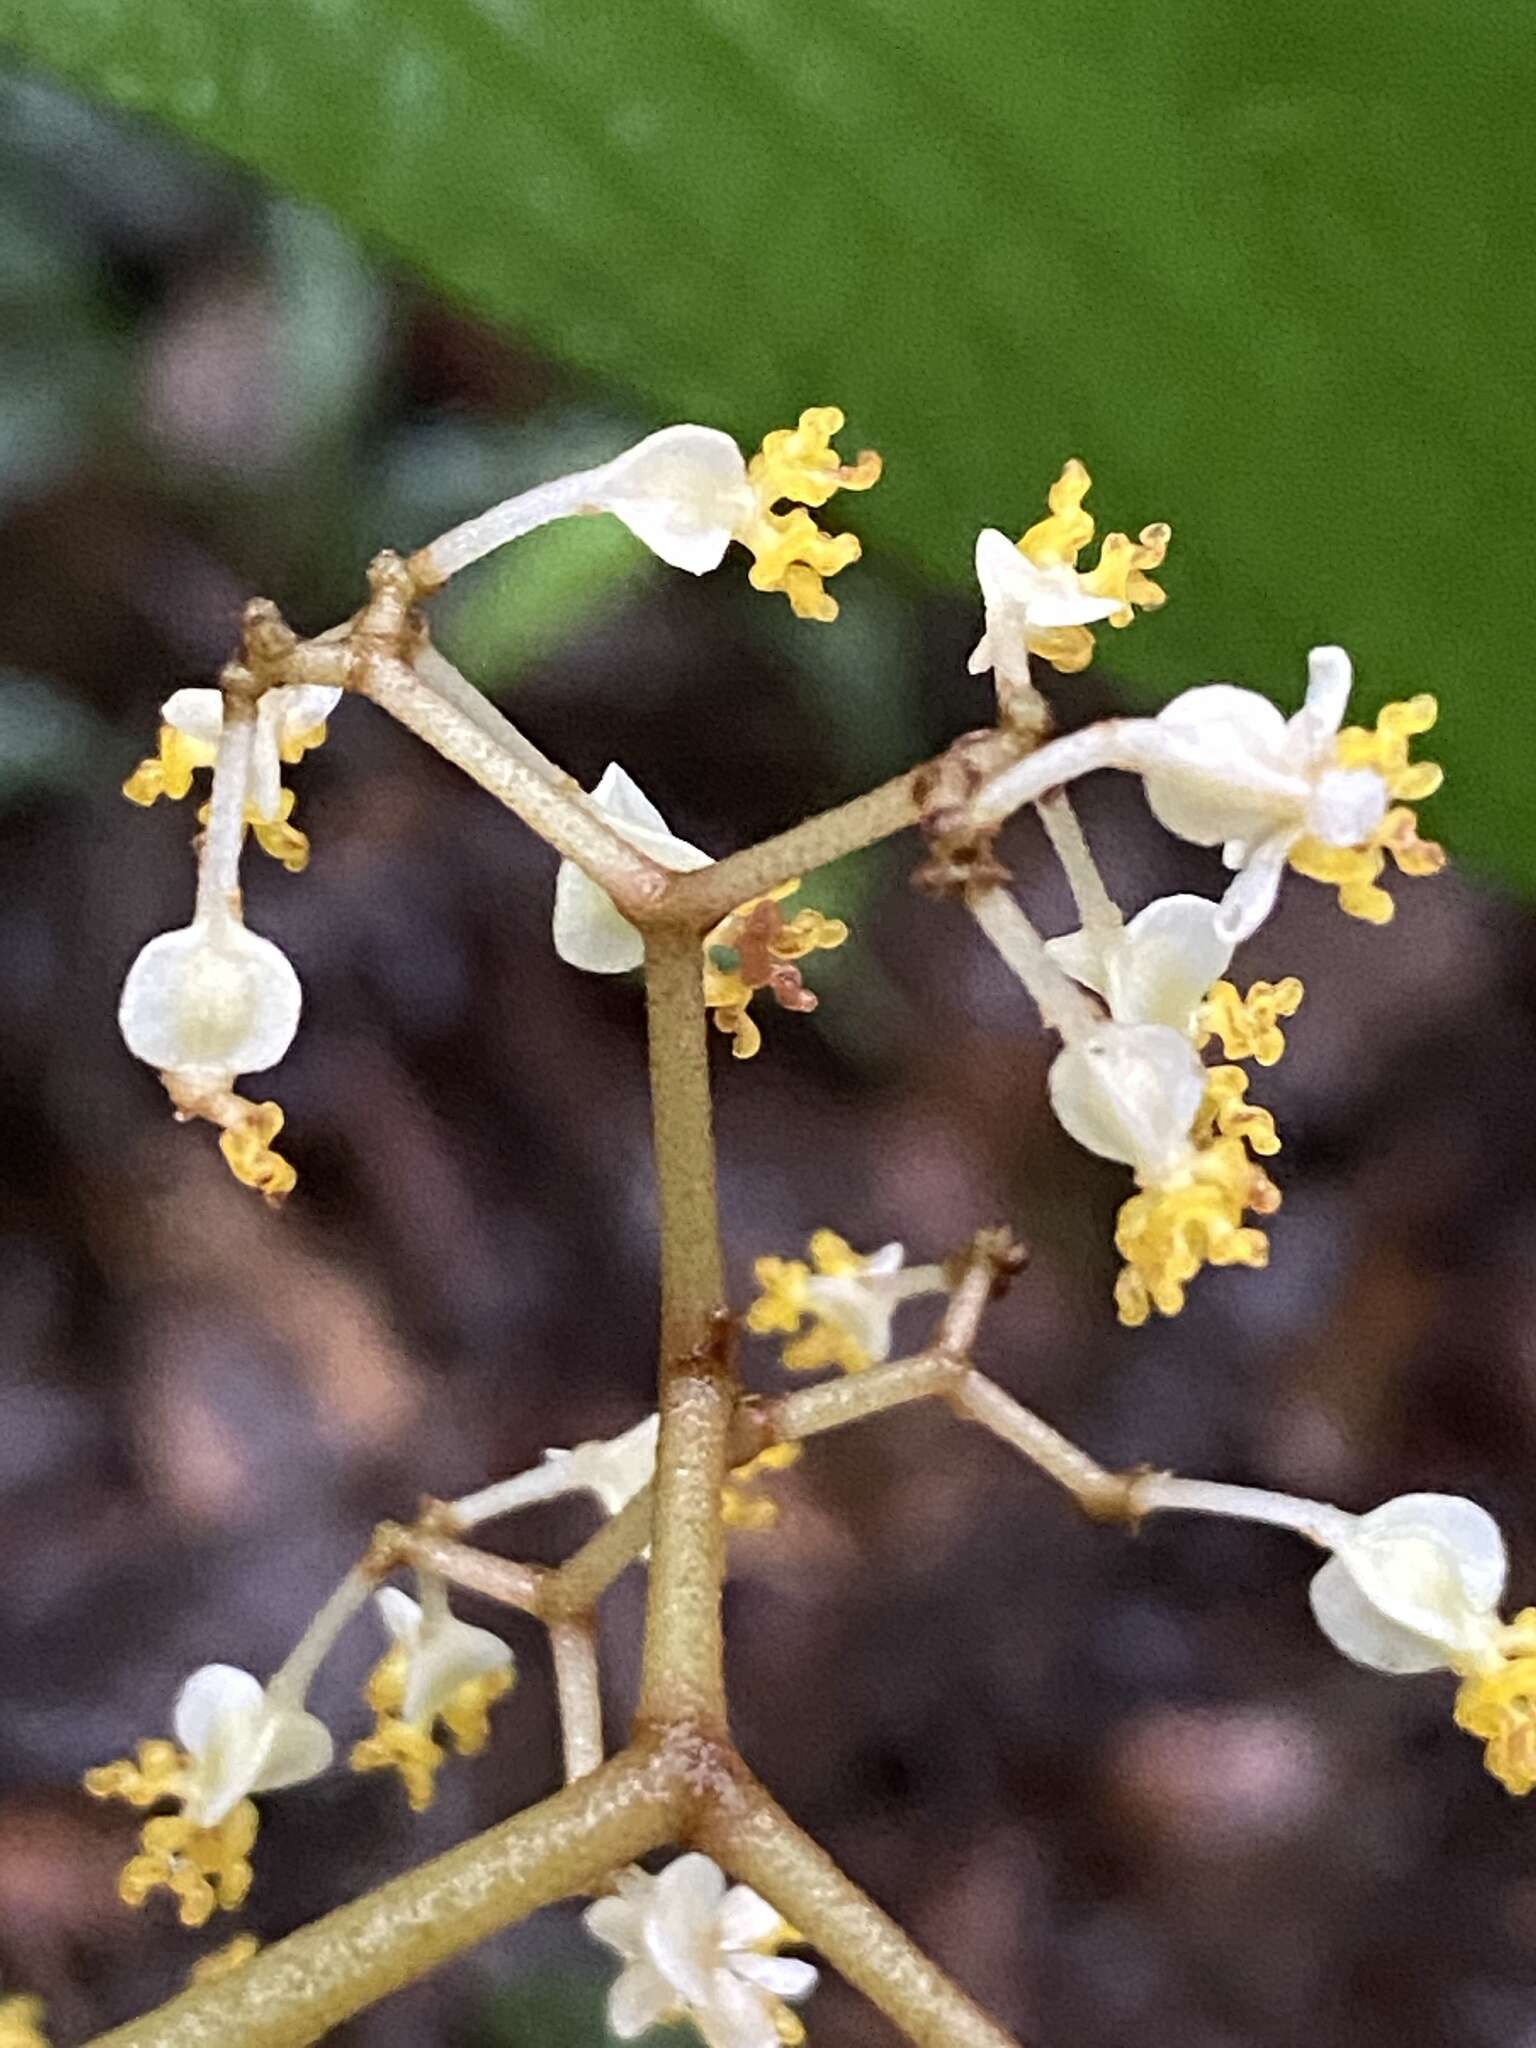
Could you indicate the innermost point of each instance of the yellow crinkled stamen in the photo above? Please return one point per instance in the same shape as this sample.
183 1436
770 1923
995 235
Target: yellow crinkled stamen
296 745
785 1302
781 1304
247 1147
21 2023
203 1867
1353 870
1499 1707
403 1746
756 947
1248 1026
790 551
160 1773
1119 573
1166 1234
1226 1113
224 1962
742 1510
169 772
276 836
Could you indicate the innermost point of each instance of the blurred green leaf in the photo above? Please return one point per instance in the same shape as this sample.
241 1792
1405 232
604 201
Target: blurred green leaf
548 2009
48 742
525 602
1263 267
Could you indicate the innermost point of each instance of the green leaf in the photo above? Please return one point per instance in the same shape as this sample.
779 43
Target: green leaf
1264 268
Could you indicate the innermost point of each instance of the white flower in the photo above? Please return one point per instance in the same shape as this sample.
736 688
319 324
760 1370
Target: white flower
1131 1092
613 1468
210 1001
1024 596
1158 968
1415 1585
1230 769
683 491
589 932
442 1654
692 1949
285 718
849 1299
241 1740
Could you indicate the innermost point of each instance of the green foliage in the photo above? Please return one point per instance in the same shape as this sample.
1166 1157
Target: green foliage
1263 267
549 2010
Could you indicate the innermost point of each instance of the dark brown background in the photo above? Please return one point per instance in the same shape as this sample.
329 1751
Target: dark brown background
1120 1787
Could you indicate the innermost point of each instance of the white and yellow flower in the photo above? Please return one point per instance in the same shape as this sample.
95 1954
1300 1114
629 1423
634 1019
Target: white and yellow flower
695 1950
437 1668
848 1298
233 1737
589 932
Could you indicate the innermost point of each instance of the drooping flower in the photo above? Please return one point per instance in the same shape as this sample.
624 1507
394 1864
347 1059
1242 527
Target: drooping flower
756 947
694 1950
202 1005
613 1469
589 932
437 1668
234 1737
688 493
848 1298
1223 766
1039 602
290 720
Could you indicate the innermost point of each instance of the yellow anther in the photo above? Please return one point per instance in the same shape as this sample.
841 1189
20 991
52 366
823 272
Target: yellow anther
275 835
224 1962
790 552
1499 1707
1167 1233
204 1868
21 2023
159 1773
1119 573
412 1750
246 1144
755 948
740 1509
1353 870
1226 1113
1063 536
793 1292
168 772
1248 1026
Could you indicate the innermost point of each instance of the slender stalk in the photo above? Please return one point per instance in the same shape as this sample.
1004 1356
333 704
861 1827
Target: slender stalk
681 1674
759 1844
559 812
702 898
1107 1496
1114 743
505 1496
445 681
573 1645
1097 910
575 1587
809 1411
218 851
1317 1520
498 1578
487 531
1063 1006
297 1990
296 1673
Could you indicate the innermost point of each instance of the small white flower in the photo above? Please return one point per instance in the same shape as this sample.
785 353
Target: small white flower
589 932
683 491
1415 1585
1158 968
1131 1092
442 1654
613 1468
241 1740
210 1001
693 1949
283 717
862 1301
1023 596
1230 769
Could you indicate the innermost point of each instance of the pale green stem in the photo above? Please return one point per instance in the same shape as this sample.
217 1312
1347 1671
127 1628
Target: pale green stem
559 813
218 850
1097 910
573 1647
1101 1493
760 1845
1319 1522
487 531
294 1676
682 1675
296 1991
849 1398
1063 1006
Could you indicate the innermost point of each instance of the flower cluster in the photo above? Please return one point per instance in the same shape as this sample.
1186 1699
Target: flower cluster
437 1669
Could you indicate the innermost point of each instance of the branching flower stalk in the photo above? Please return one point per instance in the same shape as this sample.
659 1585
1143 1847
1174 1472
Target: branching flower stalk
1413 1585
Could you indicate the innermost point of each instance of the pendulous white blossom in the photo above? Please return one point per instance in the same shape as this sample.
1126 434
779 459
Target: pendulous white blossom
694 1950
1131 1092
1023 596
210 1001
589 932
442 1654
285 718
1156 969
241 1738
1415 1585
683 491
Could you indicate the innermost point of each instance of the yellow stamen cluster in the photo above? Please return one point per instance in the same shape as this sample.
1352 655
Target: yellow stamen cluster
168 773
276 836
742 1510
1248 1026
1121 570
756 948
1168 1232
21 2023
1353 870
412 1750
203 1867
790 552
246 1133
785 1302
224 1962
1498 1706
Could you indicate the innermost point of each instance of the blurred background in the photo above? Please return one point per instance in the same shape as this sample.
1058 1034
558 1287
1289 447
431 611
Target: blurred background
1120 1787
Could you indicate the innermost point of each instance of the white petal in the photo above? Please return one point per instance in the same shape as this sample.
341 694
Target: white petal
208 998
303 706
446 1655
887 1260
1085 957
783 1976
300 1747
737 2014
618 794
401 1614
210 1700
745 1918
197 713
1250 896
616 1469
863 1310
693 1884
1347 805
589 932
1165 962
683 491
1330 678
1226 773
1130 1092
615 1922
1023 593
638 1999
1353 1624
1433 1563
